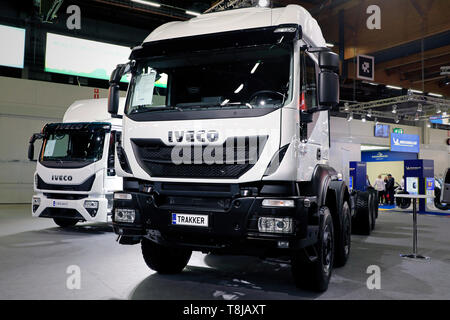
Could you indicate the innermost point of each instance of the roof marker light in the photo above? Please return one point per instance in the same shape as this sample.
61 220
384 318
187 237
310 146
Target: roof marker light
285 29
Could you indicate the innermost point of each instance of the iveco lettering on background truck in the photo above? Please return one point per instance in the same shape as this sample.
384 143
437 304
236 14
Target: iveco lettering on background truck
75 176
231 155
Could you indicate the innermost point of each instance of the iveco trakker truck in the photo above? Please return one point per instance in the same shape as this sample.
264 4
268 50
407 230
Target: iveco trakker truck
75 176
225 144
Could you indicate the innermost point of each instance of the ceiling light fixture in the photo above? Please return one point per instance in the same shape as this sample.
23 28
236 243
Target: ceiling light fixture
369 113
416 118
437 95
350 117
397 119
346 106
438 109
363 118
393 87
419 107
192 13
147 3
394 108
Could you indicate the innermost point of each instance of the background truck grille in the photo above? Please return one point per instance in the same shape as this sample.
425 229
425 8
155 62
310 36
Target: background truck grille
155 158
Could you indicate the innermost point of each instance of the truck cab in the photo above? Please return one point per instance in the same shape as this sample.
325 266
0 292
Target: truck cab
75 176
225 144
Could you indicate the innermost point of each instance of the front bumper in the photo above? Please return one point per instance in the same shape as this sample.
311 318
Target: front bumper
233 226
55 207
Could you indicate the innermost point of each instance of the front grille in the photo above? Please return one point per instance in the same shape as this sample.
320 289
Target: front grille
85 186
230 160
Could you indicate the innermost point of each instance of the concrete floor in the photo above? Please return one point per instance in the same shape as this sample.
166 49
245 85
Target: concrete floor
35 255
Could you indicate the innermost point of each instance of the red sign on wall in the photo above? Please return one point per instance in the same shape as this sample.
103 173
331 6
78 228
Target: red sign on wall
96 93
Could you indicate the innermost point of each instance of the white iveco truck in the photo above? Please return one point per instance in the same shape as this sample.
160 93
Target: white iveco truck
225 144
75 176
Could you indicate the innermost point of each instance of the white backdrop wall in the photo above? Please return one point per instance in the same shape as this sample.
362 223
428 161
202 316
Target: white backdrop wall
25 106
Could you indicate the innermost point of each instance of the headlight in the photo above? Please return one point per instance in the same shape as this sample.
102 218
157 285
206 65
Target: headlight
88 204
124 215
36 201
123 196
275 225
278 203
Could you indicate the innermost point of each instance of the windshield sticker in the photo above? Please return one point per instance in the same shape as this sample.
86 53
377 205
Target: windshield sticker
49 148
143 92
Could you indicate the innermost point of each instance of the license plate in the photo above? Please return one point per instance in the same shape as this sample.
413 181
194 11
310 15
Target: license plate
194 220
60 204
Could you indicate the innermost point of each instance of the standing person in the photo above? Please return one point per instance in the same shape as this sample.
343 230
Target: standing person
390 188
385 195
380 186
367 182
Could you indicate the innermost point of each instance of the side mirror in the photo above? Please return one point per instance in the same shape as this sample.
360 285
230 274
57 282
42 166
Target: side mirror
113 99
328 79
31 152
33 138
329 61
113 95
328 89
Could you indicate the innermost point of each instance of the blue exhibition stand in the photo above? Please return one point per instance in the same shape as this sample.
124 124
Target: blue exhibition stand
358 173
419 178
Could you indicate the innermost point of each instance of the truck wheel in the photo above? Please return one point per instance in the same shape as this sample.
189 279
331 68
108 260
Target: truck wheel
311 268
437 200
403 203
344 238
363 218
162 259
375 202
65 223
372 204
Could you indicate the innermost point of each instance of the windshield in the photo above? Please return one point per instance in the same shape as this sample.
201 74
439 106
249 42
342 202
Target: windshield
73 146
257 77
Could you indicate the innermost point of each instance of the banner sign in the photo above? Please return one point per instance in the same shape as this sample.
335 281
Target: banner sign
386 155
405 142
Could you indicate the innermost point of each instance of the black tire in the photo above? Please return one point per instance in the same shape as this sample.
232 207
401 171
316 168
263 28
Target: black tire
403 203
64 222
363 217
372 205
343 244
315 273
437 200
375 202
162 259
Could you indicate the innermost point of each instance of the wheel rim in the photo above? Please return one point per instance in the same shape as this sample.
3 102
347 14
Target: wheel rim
327 249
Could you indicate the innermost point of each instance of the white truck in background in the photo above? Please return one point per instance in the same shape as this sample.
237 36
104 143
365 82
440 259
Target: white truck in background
75 176
229 152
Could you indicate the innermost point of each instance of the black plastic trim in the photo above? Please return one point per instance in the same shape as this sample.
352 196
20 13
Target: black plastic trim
85 186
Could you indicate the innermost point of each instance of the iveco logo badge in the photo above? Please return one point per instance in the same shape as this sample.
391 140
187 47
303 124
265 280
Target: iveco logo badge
61 178
192 136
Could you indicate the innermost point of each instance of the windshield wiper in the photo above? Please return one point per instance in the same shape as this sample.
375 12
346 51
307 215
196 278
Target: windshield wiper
142 109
